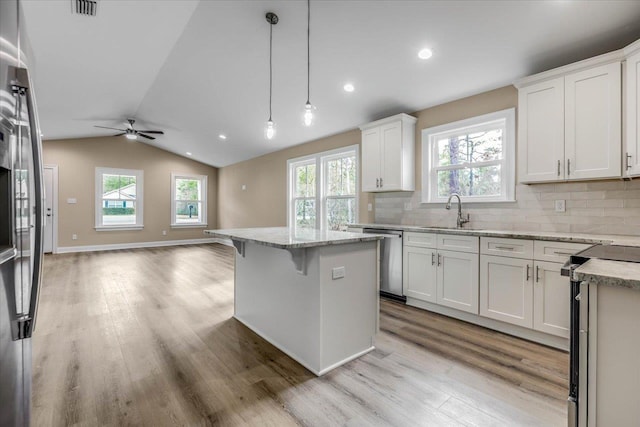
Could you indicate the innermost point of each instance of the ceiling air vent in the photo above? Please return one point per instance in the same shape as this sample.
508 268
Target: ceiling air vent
86 7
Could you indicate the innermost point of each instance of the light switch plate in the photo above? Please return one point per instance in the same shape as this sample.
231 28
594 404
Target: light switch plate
337 273
560 206
72 201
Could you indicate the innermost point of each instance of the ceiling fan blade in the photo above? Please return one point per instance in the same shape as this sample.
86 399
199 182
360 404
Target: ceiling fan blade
120 134
145 136
159 132
104 127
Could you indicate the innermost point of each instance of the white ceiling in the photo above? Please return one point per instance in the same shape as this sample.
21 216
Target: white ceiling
200 68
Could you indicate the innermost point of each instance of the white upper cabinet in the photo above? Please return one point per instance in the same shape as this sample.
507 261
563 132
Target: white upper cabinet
388 160
541 131
593 122
570 122
632 107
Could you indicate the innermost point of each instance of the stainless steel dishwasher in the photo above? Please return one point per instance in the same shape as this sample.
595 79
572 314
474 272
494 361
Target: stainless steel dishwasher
390 263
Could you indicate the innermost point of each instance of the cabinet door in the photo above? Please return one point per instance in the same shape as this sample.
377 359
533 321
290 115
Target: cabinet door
593 123
419 273
541 131
371 159
551 293
458 280
506 289
391 164
632 163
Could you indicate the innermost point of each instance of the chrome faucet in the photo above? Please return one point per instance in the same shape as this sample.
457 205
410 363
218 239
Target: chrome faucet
461 221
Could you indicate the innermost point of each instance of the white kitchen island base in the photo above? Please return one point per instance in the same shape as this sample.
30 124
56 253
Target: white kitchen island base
319 321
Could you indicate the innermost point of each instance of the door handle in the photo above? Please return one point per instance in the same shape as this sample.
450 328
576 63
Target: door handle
537 273
528 273
439 260
628 165
433 258
381 183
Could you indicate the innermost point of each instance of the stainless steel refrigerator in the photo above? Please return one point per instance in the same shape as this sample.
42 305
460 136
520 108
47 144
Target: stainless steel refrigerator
21 217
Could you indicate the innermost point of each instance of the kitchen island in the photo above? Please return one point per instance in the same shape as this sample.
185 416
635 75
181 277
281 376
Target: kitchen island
311 293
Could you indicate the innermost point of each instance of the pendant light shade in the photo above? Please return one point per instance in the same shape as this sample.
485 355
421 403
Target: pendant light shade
308 114
270 127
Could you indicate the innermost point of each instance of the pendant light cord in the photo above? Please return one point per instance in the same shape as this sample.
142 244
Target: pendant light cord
308 47
270 66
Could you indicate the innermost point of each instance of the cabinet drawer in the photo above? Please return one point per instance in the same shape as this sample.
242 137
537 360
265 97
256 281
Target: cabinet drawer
556 251
420 240
456 242
514 248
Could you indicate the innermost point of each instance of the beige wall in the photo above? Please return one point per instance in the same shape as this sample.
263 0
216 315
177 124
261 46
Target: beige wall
264 202
77 160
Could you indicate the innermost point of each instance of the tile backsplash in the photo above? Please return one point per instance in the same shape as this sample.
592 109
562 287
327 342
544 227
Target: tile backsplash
598 207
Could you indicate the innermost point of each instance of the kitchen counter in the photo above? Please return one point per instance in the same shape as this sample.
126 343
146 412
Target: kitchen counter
289 238
313 294
610 273
511 234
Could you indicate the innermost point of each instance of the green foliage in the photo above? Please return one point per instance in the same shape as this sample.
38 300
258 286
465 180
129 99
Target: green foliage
115 182
187 189
118 211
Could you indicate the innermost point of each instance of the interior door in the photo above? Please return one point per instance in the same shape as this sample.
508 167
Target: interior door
49 194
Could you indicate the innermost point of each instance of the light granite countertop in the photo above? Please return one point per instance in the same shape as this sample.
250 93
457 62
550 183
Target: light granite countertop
610 273
289 238
536 235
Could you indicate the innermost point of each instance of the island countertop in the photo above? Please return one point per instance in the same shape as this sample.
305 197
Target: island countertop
292 238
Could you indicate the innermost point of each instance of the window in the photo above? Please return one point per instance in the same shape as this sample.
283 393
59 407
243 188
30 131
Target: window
323 189
474 158
188 200
118 199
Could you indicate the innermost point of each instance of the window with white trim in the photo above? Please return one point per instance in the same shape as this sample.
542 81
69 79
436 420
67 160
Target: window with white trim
119 199
323 189
188 200
474 158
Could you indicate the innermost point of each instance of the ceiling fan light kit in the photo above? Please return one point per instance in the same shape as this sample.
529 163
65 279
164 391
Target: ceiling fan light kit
131 133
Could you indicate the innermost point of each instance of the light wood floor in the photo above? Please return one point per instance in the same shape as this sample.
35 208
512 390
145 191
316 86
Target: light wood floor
146 337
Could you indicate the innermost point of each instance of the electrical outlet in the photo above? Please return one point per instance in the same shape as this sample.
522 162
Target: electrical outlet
72 201
74 237
244 187
370 207
560 206
164 232
337 273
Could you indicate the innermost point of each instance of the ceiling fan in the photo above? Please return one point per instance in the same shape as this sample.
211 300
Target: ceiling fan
132 133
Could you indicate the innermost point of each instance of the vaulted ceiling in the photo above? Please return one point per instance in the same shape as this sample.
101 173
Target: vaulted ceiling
197 69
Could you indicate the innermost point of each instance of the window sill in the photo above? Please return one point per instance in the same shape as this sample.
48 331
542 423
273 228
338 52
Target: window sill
120 228
195 225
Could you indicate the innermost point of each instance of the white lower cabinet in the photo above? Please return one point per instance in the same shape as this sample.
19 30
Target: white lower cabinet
419 273
506 289
458 280
551 293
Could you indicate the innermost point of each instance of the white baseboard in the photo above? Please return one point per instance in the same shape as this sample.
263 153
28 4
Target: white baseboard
137 245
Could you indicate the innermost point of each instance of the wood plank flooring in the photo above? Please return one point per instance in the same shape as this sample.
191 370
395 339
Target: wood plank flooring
146 337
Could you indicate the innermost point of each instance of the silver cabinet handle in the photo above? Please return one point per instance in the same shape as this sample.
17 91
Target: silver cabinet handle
528 273
433 258
505 248
628 165
568 167
558 167
439 260
381 182
537 273
562 253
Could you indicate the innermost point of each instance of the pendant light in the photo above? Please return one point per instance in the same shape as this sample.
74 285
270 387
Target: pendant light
309 109
270 128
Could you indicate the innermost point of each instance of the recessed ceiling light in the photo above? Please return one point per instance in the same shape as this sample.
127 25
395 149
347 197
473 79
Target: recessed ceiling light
348 87
222 136
188 153
425 53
